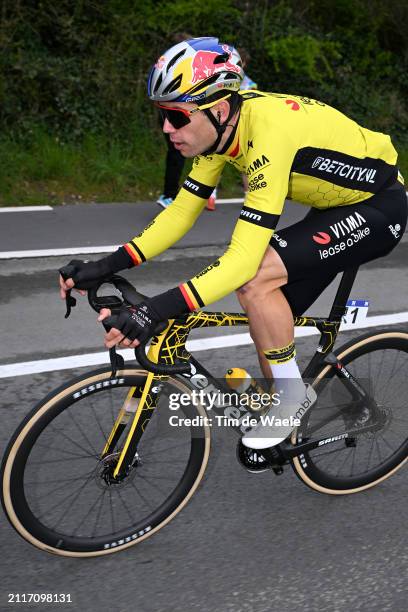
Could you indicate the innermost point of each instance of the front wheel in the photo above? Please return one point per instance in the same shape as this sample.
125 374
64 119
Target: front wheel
57 489
376 445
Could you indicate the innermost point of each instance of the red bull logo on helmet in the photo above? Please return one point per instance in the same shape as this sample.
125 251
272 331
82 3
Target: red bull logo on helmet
203 64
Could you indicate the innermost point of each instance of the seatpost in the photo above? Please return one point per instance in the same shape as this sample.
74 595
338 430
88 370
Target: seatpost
343 293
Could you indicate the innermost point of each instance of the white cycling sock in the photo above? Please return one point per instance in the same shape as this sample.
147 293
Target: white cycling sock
286 373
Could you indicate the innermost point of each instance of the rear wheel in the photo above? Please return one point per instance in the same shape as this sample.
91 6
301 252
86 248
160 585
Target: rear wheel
58 493
377 442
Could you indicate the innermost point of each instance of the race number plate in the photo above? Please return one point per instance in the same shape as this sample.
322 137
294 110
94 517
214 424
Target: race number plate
356 312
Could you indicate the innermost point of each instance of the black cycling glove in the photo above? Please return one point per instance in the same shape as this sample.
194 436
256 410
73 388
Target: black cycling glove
135 322
86 274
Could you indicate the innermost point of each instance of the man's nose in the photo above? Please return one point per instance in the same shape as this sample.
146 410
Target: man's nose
168 128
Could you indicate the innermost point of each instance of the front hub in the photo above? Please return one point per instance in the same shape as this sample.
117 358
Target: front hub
105 469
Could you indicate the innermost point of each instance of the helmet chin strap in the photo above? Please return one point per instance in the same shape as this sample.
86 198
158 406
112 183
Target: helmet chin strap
220 127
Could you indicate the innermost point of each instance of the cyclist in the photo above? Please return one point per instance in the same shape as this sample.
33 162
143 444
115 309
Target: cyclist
289 147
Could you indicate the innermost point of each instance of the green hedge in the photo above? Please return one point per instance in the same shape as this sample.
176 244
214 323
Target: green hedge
76 70
80 66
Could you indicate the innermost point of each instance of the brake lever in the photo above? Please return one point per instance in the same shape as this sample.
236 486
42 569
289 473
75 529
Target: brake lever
117 362
70 302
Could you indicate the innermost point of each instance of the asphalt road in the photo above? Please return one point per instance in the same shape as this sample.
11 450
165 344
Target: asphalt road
90 225
245 543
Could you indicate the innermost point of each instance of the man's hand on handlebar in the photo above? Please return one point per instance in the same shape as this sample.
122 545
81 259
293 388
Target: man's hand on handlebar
130 326
130 321
67 285
83 275
114 337
86 275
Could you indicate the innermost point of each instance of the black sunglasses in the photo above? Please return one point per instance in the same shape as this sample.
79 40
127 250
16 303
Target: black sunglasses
178 117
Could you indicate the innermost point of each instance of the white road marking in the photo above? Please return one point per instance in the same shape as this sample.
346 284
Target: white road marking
59 252
94 250
13 209
229 201
205 344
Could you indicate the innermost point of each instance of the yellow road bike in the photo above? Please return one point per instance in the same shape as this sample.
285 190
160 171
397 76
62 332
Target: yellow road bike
95 467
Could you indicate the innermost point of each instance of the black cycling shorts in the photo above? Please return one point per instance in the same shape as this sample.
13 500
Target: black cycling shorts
329 241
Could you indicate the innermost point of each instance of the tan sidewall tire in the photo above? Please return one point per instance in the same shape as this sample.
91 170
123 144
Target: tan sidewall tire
39 413
296 461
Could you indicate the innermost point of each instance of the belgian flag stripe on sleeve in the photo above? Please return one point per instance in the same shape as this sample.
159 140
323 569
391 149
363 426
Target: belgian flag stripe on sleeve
191 296
135 253
195 294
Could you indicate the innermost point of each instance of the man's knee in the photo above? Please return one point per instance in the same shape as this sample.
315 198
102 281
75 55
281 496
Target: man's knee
259 288
270 276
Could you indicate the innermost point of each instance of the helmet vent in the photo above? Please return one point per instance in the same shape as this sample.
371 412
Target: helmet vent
222 58
207 82
158 83
173 85
230 76
174 59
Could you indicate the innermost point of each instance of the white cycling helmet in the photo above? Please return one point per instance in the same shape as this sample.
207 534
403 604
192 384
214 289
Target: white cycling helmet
200 70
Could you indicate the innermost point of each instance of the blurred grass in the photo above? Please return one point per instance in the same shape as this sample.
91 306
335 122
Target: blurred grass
403 162
44 170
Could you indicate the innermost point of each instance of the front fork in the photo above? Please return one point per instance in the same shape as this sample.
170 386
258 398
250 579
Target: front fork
140 402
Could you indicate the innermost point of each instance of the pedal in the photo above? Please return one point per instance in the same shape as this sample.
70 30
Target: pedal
255 461
252 460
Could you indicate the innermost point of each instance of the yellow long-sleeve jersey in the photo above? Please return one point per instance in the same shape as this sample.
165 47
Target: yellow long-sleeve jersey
288 147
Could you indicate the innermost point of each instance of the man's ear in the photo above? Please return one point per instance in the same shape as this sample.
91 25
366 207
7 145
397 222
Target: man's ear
221 111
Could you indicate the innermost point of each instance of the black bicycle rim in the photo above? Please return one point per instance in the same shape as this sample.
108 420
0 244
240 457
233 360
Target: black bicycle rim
61 541
338 454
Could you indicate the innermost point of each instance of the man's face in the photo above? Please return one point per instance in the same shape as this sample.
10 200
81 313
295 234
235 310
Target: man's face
195 137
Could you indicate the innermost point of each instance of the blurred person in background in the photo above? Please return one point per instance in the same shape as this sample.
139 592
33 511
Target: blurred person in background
247 84
174 159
